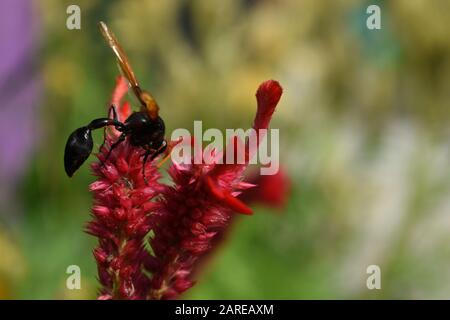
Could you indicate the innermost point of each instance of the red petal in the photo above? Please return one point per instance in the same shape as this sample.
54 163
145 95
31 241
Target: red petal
124 111
237 205
120 90
226 198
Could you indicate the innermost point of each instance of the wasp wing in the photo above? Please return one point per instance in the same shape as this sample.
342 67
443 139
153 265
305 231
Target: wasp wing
148 102
122 59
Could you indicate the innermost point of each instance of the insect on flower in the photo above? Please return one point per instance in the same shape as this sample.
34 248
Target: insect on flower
144 128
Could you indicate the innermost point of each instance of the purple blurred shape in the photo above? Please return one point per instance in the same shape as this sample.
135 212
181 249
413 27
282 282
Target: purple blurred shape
19 88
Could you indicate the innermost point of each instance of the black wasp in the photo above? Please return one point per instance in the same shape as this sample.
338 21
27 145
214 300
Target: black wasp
143 128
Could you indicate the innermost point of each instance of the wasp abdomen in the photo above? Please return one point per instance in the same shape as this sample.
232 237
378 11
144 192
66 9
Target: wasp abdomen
78 148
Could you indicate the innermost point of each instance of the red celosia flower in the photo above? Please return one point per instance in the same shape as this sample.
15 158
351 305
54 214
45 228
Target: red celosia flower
181 220
198 207
122 205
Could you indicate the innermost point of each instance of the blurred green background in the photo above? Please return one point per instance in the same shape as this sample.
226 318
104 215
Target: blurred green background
363 127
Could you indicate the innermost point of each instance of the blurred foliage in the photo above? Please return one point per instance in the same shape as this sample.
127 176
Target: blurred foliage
363 126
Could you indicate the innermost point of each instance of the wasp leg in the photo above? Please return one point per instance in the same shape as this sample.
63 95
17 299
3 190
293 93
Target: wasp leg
147 153
104 141
103 122
112 109
160 150
168 150
113 146
153 154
